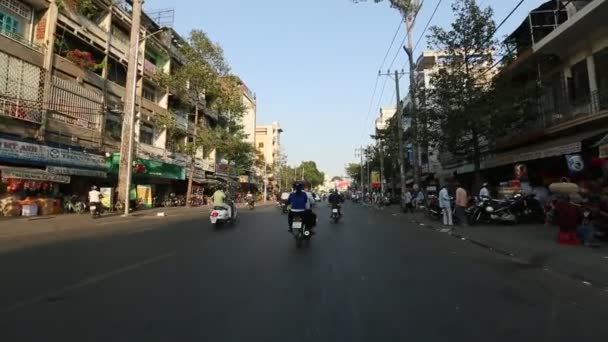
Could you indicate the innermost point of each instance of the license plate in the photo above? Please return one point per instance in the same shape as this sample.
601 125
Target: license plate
93 207
296 225
335 211
213 220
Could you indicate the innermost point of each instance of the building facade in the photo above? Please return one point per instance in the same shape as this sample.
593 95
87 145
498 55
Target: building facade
560 57
63 69
268 140
250 115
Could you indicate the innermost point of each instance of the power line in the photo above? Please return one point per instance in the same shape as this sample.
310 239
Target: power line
369 110
427 24
391 46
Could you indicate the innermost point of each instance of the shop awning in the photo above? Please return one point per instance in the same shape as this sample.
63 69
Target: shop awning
558 147
32 174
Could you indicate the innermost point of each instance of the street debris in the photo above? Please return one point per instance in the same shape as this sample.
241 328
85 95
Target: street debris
161 214
586 283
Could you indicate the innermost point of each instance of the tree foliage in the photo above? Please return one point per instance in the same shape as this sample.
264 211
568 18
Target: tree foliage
460 93
353 170
405 7
205 78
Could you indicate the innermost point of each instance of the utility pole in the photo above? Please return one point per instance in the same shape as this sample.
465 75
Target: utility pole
359 153
193 156
126 149
397 75
410 21
381 168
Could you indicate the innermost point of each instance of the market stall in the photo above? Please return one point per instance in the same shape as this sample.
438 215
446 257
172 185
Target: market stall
29 192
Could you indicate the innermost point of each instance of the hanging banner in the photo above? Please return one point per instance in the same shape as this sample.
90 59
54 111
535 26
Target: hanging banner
32 174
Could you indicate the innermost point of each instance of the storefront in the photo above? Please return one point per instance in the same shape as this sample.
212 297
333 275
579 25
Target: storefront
153 180
34 172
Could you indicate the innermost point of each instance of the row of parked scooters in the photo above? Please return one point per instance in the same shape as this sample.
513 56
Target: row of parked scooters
519 208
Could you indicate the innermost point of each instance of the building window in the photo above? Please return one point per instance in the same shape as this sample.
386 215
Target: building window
578 84
146 133
149 93
113 126
10 26
18 8
261 145
601 74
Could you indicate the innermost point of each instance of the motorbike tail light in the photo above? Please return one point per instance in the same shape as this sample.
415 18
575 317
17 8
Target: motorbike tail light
215 214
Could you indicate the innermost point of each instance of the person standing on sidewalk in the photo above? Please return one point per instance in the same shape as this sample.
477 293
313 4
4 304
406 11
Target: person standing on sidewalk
462 201
446 206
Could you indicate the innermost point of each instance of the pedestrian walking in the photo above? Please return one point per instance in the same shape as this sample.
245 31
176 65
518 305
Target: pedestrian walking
407 201
446 206
462 200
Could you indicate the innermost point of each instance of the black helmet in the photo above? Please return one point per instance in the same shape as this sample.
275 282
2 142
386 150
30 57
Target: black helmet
298 185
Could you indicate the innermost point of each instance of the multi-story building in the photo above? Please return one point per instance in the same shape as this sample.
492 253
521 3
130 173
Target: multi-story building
385 115
268 140
561 59
250 115
63 69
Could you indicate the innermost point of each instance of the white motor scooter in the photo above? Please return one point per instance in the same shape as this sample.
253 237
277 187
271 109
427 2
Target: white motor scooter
219 215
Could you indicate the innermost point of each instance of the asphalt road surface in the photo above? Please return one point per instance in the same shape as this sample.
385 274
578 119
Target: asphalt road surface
371 277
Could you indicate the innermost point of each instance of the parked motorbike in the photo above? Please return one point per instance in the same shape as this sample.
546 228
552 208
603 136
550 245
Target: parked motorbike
220 215
251 204
492 210
527 208
299 229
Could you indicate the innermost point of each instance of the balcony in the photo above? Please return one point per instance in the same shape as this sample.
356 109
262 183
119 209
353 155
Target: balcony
75 105
20 89
150 68
21 110
20 39
176 158
564 113
150 152
567 27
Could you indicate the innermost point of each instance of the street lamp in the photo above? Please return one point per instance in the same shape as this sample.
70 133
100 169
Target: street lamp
135 50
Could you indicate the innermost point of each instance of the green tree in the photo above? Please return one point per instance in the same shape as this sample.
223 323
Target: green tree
192 82
353 170
460 90
310 173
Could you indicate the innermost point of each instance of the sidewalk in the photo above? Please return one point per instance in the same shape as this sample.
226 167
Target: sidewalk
533 244
28 226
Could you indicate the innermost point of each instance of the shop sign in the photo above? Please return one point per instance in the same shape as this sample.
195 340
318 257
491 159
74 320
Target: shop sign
504 159
603 151
60 170
61 156
32 174
19 150
150 168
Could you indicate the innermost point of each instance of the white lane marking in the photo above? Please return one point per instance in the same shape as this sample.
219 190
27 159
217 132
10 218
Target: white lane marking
85 282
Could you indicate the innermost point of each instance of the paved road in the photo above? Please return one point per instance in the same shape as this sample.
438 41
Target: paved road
368 278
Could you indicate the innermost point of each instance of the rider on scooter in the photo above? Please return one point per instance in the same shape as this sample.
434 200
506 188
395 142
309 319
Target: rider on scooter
219 200
298 202
335 199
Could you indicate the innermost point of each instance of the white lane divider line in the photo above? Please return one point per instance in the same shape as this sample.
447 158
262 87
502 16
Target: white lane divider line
86 282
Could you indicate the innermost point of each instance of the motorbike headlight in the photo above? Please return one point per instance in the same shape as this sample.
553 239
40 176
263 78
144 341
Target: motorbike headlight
489 209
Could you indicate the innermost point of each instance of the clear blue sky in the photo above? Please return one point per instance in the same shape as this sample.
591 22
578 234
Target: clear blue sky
313 63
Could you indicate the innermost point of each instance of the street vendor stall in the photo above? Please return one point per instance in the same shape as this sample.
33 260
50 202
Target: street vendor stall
29 192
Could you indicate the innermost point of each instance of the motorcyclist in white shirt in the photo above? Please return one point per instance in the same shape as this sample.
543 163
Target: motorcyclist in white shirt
95 197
